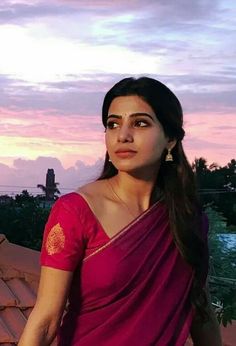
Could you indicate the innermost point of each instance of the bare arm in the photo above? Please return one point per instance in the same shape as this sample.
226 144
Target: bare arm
208 333
45 318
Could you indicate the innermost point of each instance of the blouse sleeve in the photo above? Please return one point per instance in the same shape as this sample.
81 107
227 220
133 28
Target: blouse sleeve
63 242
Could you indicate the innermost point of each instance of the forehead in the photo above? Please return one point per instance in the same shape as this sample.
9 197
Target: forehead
124 105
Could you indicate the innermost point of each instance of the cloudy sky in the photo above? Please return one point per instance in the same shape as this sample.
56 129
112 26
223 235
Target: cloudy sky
58 58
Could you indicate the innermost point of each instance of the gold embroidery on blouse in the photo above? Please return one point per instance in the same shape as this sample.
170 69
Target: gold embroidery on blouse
55 241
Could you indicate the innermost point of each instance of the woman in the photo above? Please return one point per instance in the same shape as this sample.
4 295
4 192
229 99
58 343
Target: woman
130 249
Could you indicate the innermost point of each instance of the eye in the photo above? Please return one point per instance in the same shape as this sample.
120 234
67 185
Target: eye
111 125
141 123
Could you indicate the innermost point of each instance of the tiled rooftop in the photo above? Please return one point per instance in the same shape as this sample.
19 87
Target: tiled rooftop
19 276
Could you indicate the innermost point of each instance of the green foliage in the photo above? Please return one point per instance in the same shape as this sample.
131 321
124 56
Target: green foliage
23 220
217 184
228 313
222 280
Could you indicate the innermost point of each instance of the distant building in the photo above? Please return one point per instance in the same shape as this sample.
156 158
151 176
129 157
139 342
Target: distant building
51 186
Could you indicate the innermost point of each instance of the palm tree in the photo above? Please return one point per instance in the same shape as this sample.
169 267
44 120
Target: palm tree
49 191
201 171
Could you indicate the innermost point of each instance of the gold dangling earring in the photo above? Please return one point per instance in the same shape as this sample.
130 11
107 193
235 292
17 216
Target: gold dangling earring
169 156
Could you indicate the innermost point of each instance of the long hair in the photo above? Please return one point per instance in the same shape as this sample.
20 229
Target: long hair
176 179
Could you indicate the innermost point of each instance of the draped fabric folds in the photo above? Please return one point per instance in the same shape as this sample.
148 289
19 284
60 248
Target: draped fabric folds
132 290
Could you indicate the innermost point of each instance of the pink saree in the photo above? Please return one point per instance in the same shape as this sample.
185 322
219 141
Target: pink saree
132 290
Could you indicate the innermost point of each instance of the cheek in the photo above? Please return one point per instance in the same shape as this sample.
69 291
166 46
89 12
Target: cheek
156 143
156 148
108 140
105 139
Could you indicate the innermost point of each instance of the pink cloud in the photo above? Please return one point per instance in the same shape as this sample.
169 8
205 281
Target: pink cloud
208 136
55 128
69 138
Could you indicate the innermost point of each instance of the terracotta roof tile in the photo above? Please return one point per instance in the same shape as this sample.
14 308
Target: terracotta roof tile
26 312
19 276
229 334
7 298
5 333
19 257
15 321
23 292
2 237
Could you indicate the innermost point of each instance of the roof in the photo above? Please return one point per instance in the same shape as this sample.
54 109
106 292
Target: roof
19 277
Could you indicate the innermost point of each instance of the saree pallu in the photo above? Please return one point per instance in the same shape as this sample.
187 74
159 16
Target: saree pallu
132 291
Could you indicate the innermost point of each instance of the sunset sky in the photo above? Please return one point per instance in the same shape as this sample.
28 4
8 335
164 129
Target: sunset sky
58 59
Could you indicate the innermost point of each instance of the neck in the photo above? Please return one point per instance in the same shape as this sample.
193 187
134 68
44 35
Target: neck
137 192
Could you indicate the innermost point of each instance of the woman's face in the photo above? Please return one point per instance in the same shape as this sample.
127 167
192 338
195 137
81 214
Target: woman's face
134 137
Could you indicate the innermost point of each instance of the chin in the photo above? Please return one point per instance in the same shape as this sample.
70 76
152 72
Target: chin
124 169
130 168
137 168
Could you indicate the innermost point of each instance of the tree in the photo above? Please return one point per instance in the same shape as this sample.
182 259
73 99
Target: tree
201 171
49 191
23 220
222 267
218 184
24 197
200 166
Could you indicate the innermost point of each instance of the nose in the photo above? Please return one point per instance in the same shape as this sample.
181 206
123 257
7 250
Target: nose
125 134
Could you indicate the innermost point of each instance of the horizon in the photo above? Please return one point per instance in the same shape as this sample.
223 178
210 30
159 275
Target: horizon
58 60
90 173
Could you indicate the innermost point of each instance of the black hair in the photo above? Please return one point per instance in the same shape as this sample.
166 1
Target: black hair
176 179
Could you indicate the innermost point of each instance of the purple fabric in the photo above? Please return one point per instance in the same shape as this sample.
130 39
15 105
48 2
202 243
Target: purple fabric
133 290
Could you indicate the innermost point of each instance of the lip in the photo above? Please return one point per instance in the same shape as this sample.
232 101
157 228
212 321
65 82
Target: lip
125 153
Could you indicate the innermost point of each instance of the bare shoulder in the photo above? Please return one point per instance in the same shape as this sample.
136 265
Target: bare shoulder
92 189
95 192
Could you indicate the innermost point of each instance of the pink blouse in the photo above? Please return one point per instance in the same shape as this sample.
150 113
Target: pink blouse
71 233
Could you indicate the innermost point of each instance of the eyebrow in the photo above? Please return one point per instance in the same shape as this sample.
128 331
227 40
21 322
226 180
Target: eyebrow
133 115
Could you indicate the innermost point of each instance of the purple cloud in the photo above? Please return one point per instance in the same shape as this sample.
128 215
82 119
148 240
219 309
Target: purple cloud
29 173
